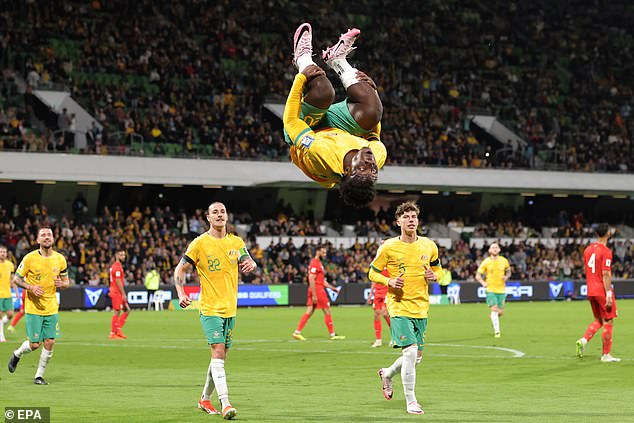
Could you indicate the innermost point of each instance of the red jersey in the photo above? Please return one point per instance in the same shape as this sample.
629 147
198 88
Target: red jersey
597 258
116 272
316 268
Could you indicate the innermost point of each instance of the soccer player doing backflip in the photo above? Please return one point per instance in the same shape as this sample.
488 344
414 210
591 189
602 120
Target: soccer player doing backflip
334 143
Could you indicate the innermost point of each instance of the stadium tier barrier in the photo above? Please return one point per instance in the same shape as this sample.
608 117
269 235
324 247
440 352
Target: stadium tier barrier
96 298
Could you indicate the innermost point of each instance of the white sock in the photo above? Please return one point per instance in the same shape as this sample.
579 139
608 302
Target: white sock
2 322
45 356
220 380
5 319
394 368
408 372
209 385
304 61
346 72
23 349
495 319
583 340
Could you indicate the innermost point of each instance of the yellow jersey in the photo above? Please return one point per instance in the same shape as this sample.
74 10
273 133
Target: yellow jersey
495 270
6 269
412 258
216 261
320 154
42 271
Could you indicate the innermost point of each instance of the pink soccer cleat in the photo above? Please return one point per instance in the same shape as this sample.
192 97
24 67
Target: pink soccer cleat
302 42
342 48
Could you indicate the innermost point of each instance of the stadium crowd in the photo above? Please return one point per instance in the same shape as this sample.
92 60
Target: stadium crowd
155 238
191 78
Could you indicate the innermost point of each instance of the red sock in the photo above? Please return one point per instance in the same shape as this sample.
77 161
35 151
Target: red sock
113 323
329 324
302 322
17 318
377 329
592 329
387 319
607 338
122 320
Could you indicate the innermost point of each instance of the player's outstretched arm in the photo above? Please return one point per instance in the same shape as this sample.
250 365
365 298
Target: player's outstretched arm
294 126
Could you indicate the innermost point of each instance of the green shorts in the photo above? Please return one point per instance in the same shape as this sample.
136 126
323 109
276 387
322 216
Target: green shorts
408 331
6 304
336 116
218 330
494 299
39 328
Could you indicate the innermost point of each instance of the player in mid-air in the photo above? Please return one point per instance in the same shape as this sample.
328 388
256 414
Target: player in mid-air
497 271
217 256
378 294
412 262
6 300
118 296
317 296
41 273
598 262
334 143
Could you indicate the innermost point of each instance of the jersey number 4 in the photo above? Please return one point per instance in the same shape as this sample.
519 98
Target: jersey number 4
592 262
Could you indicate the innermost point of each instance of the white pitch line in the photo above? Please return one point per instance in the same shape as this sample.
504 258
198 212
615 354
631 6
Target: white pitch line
125 344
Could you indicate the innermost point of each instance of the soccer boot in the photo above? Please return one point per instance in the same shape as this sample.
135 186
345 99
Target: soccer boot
342 47
386 387
205 405
414 408
607 358
497 335
228 412
302 42
121 335
11 329
580 346
377 343
13 362
299 336
40 381
336 337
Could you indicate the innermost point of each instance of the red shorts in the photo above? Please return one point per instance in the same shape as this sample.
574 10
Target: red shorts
379 302
599 310
322 299
117 301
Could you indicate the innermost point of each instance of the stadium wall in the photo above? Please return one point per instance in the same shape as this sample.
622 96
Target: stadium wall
142 170
96 298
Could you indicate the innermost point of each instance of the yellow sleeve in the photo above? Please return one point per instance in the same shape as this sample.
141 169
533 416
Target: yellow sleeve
483 266
23 268
191 255
63 266
294 126
434 263
377 266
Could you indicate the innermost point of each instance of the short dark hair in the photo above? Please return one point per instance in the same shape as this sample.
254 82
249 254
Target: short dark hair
602 229
407 206
357 191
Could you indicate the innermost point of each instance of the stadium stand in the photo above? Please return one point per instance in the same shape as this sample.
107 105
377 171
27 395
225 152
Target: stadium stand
171 79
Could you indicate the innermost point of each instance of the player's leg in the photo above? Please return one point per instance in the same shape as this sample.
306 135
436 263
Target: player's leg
330 325
297 334
592 329
363 102
122 319
608 321
378 327
412 356
493 313
219 333
2 323
114 321
15 320
34 325
45 357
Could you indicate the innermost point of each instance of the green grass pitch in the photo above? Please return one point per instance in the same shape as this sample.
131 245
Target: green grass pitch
530 374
